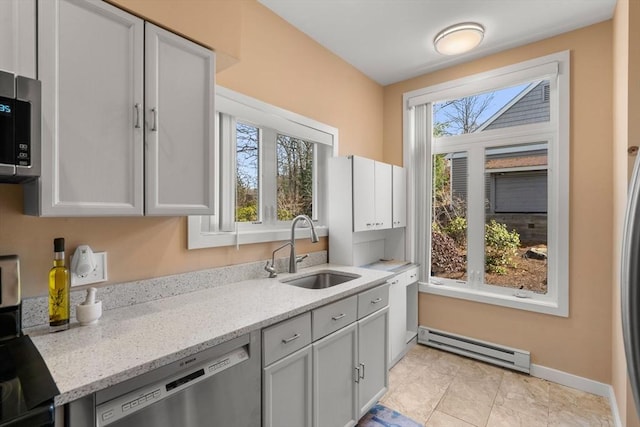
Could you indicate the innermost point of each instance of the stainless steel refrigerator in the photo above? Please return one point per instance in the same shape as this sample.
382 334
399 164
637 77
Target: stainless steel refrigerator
630 284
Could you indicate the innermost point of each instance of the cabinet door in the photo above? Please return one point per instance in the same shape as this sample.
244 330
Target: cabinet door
334 379
179 125
399 197
382 198
363 194
397 318
90 60
287 391
18 37
373 341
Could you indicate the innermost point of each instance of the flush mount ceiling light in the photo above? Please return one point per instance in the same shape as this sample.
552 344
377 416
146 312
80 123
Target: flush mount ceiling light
459 38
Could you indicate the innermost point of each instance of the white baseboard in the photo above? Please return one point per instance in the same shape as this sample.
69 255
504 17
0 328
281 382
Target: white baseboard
617 421
579 383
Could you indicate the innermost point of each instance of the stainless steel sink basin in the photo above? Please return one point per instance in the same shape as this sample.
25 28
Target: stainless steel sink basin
321 279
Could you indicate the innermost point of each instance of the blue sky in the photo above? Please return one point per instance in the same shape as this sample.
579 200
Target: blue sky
501 97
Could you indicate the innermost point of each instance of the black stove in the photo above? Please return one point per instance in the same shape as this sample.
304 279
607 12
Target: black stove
26 386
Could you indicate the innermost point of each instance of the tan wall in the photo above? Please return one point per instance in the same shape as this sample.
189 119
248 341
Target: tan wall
578 344
279 65
215 24
626 102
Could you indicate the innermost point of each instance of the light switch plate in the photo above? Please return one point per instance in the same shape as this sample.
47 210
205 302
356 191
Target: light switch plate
99 274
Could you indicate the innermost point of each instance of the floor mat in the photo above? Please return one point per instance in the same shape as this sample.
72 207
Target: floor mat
381 416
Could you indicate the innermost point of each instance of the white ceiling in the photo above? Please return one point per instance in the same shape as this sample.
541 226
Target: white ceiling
392 40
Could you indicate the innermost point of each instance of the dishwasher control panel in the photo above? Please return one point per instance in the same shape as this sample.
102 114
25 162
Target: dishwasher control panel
129 403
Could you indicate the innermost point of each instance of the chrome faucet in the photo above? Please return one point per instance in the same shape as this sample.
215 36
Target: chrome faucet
293 259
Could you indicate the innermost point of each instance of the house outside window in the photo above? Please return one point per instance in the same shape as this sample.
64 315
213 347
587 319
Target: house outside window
489 169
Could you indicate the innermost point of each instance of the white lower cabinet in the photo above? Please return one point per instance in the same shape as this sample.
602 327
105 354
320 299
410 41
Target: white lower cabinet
401 308
373 342
335 379
287 391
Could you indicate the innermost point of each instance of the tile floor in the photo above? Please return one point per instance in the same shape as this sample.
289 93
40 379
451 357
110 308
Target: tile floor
441 389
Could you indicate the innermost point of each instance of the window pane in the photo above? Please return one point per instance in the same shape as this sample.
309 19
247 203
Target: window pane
516 217
295 177
449 223
512 106
247 156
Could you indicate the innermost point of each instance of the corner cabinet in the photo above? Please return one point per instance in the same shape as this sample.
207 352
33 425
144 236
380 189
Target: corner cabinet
116 107
330 368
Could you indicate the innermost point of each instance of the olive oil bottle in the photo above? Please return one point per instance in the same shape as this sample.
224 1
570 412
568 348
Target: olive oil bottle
59 285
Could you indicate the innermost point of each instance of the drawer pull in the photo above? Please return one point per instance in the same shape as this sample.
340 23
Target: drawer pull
288 340
338 317
375 301
137 108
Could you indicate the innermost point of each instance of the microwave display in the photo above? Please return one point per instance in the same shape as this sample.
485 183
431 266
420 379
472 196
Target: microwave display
15 117
20 124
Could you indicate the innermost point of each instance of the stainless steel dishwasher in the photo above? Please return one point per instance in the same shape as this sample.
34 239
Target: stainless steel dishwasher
219 386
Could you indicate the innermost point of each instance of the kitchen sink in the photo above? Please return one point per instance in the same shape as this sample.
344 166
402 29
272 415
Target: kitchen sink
321 279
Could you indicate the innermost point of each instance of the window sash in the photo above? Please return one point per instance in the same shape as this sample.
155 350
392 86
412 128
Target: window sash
221 229
420 146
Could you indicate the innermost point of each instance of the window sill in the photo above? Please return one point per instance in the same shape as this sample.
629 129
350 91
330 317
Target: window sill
198 239
538 304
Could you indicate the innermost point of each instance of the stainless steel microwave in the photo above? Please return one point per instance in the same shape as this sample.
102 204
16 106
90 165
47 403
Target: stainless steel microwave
19 128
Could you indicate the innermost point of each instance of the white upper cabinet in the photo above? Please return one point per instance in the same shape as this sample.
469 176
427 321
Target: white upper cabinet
364 207
371 194
18 37
98 128
399 197
90 60
383 199
179 116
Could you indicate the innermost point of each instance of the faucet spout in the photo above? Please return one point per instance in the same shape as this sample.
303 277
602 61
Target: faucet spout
293 259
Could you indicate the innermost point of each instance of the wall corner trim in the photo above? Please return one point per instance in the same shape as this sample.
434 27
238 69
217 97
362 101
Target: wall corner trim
580 383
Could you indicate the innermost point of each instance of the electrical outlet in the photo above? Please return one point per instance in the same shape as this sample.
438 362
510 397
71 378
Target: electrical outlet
99 274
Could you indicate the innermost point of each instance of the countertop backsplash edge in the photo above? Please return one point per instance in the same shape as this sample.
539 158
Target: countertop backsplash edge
35 309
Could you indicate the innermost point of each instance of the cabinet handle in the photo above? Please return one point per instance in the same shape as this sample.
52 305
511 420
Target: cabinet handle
288 340
361 372
137 108
357 372
338 317
369 224
154 126
375 301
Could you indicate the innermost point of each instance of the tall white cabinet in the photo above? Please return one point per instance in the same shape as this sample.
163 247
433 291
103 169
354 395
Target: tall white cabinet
18 37
367 203
99 130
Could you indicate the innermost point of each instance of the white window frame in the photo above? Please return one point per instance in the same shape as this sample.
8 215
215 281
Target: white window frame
556 132
221 229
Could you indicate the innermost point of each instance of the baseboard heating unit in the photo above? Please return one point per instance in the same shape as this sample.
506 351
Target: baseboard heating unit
511 358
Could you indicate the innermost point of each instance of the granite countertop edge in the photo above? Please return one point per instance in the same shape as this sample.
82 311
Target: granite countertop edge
127 341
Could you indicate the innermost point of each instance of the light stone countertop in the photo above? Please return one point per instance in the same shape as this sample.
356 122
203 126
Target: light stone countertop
132 340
